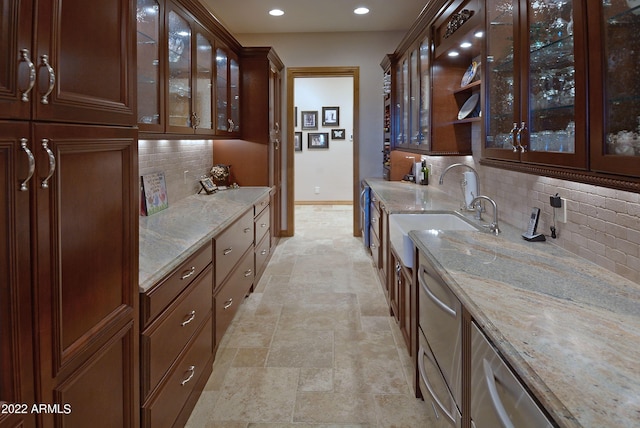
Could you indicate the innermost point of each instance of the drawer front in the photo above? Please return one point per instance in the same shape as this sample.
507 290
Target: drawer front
228 299
231 245
159 297
260 206
167 336
262 254
165 405
261 225
374 244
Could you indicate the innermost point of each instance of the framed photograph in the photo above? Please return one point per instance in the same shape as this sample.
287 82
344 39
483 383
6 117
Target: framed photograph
297 141
208 186
309 120
338 134
330 116
318 140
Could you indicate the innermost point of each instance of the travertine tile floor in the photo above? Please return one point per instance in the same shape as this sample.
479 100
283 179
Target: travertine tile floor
314 345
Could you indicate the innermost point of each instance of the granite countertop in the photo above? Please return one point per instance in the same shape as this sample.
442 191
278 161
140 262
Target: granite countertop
569 328
171 236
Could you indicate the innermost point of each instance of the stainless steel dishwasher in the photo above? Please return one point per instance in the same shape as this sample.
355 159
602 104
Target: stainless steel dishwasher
440 337
498 399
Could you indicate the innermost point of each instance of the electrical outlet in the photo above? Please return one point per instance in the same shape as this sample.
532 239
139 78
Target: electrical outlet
562 218
317 190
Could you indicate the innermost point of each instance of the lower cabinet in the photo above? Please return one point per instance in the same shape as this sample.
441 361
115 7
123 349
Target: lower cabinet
177 341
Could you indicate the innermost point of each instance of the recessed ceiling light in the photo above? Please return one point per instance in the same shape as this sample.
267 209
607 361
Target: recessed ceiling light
465 45
453 53
479 34
276 12
361 11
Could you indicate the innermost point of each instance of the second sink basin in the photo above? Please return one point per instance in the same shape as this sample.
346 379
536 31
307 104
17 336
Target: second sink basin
401 224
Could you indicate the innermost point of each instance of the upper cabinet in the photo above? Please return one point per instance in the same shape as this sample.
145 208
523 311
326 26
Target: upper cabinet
188 77
614 31
536 86
54 73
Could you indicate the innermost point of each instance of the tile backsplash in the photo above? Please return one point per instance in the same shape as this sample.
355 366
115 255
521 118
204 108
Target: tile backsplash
603 225
182 161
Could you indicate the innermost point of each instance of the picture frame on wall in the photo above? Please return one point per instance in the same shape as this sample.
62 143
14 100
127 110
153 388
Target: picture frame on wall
338 134
309 120
297 141
330 116
318 140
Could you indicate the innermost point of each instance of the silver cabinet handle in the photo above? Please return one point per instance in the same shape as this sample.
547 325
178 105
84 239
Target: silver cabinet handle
52 163
433 297
495 398
247 230
32 164
373 246
523 126
192 371
228 304
374 220
44 62
24 57
247 273
192 316
188 274
263 252
513 136
263 224
422 354
227 251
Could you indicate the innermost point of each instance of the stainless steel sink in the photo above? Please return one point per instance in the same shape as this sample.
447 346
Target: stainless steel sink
401 224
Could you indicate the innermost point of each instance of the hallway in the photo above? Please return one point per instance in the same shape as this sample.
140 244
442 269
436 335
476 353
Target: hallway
314 345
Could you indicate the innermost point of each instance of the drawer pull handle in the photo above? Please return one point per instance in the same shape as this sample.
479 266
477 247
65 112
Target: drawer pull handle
247 229
247 273
263 252
192 372
32 164
228 304
263 224
52 163
227 251
188 274
192 316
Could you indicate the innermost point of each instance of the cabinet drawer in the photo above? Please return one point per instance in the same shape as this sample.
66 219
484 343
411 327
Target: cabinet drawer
261 225
167 336
263 248
374 244
165 405
260 206
230 296
231 244
161 295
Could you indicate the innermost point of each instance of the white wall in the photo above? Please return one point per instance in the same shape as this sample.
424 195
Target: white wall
325 174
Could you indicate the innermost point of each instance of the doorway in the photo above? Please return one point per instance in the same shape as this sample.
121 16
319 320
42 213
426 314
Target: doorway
319 72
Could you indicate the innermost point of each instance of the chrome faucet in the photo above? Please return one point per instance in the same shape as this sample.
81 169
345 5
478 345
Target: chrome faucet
493 227
469 207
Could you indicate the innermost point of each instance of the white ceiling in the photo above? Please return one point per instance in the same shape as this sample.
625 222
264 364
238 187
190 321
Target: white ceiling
304 16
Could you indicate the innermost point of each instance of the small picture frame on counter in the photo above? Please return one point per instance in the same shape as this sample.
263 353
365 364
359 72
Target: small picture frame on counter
207 185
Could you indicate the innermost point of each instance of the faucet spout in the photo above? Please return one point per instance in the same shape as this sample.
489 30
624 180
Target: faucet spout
462 165
493 227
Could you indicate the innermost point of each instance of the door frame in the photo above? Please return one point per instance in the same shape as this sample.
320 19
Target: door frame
306 72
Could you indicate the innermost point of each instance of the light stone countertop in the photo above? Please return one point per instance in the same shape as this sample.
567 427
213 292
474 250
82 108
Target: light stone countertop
171 236
569 328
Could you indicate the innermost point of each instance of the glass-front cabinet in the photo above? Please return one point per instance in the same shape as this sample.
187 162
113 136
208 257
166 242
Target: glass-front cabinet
615 133
227 92
179 104
148 14
535 80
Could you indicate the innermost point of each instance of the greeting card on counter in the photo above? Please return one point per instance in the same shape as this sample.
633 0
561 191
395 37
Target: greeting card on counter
153 196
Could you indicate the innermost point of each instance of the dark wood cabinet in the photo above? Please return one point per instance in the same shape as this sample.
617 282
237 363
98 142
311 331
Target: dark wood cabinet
85 288
16 333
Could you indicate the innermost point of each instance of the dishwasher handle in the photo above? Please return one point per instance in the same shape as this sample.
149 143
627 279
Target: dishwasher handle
449 310
490 377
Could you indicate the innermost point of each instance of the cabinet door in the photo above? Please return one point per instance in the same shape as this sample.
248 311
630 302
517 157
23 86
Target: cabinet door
16 350
86 290
203 83
17 70
536 82
150 95
85 60
275 154
179 78
614 32
234 93
222 91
